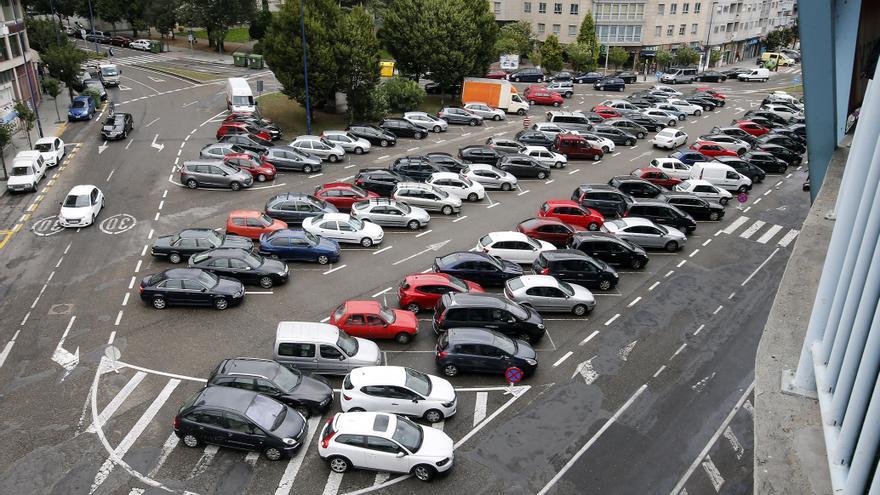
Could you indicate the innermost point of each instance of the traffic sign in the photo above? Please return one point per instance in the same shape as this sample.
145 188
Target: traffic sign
742 197
513 375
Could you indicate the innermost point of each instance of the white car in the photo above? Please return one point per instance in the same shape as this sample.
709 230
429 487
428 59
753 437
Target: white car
515 247
426 120
485 111
549 158
620 105
457 185
705 190
52 149
398 390
782 111
731 143
341 227
669 137
673 167
81 206
140 45
782 95
686 107
670 118
28 169
490 177
666 90
550 129
606 144
391 444
320 147
348 141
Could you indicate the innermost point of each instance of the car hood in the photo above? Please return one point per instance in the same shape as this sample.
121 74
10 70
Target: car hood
546 246
75 212
312 388
511 267
582 294
274 266
441 389
15 180
419 213
524 350
111 128
163 241
78 111
372 229
234 241
405 319
368 352
293 426
435 444
675 233
228 286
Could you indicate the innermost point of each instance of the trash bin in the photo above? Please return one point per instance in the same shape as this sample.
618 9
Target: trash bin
240 59
156 46
386 69
255 61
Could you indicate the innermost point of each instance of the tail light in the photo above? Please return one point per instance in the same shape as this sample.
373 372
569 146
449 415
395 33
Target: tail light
325 442
176 423
345 397
442 354
545 271
141 289
359 182
626 213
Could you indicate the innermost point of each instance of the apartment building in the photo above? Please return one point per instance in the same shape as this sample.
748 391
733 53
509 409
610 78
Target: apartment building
14 72
562 18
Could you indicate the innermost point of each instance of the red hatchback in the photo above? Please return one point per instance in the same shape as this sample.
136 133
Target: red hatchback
752 128
540 96
252 224
606 112
342 194
371 320
496 74
711 149
423 290
710 91
656 176
550 229
572 213
234 127
261 172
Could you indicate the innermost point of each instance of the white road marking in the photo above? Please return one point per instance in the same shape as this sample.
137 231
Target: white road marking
659 370
125 299
118 318
386 289
549 181
636 300
611 320
589 337
574 171
334 480
386 248
110 174
706 242
340 267
325 320
670 272
381 478
131 283
737 447
624 352
695 251
523 192
480 407
117 400
204 461
587 372
768 192
701 385
719 308
759 268
562 359
137 267
700 329
735 225
678 351
25 319
681 263
459 219
653 286
788 237
290 472
714 475
749 232
152 122
756 201
167 447
426 232
8 348
731 296
748 208
769 234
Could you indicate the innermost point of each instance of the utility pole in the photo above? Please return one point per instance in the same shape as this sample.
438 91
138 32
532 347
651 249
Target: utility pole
607 49
92 22
302 27
708 34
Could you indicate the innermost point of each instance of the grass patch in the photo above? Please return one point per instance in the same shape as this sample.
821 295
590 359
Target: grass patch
799 89
234 35
432 103
191 74
385 55
291 116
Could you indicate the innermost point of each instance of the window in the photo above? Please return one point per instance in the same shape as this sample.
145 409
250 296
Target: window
572 30
697 8
556 28
496 7
14 45
716 29
681 29
658 31
685 8
330 352
660 8
574 9
541 28
542 7
557 8
669 30
673 8
527 7
694 28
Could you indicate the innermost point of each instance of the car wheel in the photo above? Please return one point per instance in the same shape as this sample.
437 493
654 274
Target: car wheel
540 79
159 302
261 178
433 416
698 113
339 464
724 201
192 184
520 112
418 135
641 135
556 103
593 226
436 128
569 94
266 282
366 242
671 246
472 122
557 165
447 210
542 175
472 197
333 158
191 440
174 258
414 307
515 79
621 89
235 186
383 143
124 134
221 303
636 263
742 189
307 169
604 285
672 123
450 370
506 186
713 216
629 142
358 150
605 149
413 225
272 454
402 338
598 157
424 472
579 310
496 118
323 259
303 410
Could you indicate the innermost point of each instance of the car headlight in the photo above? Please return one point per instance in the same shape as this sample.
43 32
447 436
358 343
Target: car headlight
540 326
443 462
449 404
289 441
531 362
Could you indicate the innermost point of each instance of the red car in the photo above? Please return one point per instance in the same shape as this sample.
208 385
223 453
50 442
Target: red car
371 320
550 229
572 213
711 149
496 74
423 290
235 127
752 128
656 176
261 172
122 41
606 112
342 194
541 96
710 91
247 117
252 224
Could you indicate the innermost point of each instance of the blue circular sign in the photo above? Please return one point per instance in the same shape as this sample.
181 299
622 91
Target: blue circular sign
513 375
742 197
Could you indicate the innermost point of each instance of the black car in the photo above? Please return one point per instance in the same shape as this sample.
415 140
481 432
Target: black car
765 161
248 142
447 162
403 128
482 350
533 138
433 88
707 104
628 125
99 37
772 118
648 96
662 212
610 84
293 207
788 156
527 75
524 166
573 266
481 268
649 123
243 265
617 136
753 172
117 126
587 77
695 206
791 134
607 200
478 153
240 419
414 168
561 76
627 76
492 311
710 76
799 129
784 141
378 180
180 246
373 134
190 287
635 187
609 248
735 71
304 392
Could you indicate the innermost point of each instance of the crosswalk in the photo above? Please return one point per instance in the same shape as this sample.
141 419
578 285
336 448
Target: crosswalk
144 59
753 227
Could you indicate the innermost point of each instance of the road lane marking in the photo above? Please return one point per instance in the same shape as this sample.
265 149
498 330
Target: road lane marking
759 268
117 401
757 201
714 475
574 171
731 296
788 237
563 358
719 308
459 219
634 301
334 481
654 285
659 370
204 461
694 253
769 234
386 289
589 338
125 299
118 318
611 320
670 272
480 407
386 248
678 351
749 232
735 225
340 267
681 263
707 242
523 192
285 485
8 348
425 232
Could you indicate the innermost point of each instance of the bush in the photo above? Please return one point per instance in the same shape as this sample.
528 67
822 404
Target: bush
96 97
398 95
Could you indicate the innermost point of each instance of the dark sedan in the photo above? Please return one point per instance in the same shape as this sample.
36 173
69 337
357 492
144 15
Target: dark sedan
533 138
735 71
587 77
447 162
248 142
711 76
378 180
610 84
480 268
177 247
262 124
293 207
479 154
784 141
707 104
695 206
190 287
617 136
122 41
290 158
628 125
403 128
765 161
524 166
373 134
298 245
690 157
788 156
627 76
242 265
117 126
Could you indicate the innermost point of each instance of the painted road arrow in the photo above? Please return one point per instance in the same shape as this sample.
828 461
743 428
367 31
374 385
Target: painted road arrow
431 247
102 147
159 147
62 356
586 370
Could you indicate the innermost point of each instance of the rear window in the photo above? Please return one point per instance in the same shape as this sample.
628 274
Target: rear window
515 283
485 241
545 207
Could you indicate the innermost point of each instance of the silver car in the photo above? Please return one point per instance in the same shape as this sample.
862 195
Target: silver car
217 151
645 233
489 176
502 145
426 196
563 88
205 173
485 111
547 293
349 142
320 147
390 213
426 120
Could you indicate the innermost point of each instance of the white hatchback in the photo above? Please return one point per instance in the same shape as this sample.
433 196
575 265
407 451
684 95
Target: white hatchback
705 190
686 107
341 227
384 442
81 206
669 137
543 155
457 185
398 390
673 167
490 177
666 90
52 149
515 247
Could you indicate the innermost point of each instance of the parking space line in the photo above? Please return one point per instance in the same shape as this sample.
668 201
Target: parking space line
293 466
424 233
681 263
769 234
589 338
706 242
678 351
523 192
563 358
386 289
759 268
659 370
749 232
480 407
611 320
654 285
634 302
735 225
574 171
117 401
700 329
694 253
340 267
386 248
334 481
459 219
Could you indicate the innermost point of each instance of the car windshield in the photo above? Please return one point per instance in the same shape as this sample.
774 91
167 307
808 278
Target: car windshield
356 224
243 100
43 147
347 343
533 242
408 434
518 311
566 289
267 413
79 104
313 240
441 193
684 185
506 344
109 71
404 208
418 381
287 379
208 279
73 201
386 314
20 171
265 220
466 181
253 261
458 284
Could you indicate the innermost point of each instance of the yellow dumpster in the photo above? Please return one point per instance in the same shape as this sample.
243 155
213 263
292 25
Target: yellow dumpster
386 69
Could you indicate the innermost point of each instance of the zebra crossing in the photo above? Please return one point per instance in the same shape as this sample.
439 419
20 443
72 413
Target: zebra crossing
132 417
144 59
768 232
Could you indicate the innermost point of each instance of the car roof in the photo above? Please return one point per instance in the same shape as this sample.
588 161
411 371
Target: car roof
470 335
246 213
467 256
506 235
634 221
475 299
680 194
340 217
227 252
306 137
539 281
444 175
648 202
329 185
194 233
538 221
249 366
43 140
183 272
645 170
563 254
562 202
362 306
298 233
378 375
699 182
321 332
427 278
234 399
81 189
586 234
364 423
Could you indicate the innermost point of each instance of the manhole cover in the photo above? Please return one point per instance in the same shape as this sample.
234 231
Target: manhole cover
60 309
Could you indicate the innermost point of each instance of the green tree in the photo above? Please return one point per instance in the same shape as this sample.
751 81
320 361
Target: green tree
27 118
580 56
358 54
218 15
42 34
111 11
773 41
282 47
52 87
663 58
407 32
618 56
5 139
65 63
515 37
400 94
686 56
162 14
536 58
551 54
259 24
714 57
587 36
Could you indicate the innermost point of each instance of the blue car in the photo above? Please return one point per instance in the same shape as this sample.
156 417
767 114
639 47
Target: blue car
81 108
690 157
477 267
298 245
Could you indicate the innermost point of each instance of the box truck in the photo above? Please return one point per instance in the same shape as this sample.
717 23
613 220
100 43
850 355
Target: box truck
495 93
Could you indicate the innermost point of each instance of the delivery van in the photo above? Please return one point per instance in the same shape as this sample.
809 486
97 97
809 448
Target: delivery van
755 75
721 175
781 59
109 75
239 97
495 93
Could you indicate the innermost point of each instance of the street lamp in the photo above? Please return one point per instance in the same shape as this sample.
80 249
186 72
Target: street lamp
708 34
92 22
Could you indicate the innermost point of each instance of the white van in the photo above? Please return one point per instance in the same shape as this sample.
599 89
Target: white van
755 75
322 348
721 175
679 75
239 97
28 169
109 75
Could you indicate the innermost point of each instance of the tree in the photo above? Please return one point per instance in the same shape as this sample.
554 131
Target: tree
587 36
551 54
400 94
162 14
686 56
42 34
536 58
580 56
617 56
52 87
283 50
774 40
218 15
5 139
259 24
65 63
407 31
515 37
663 58
27 118
111 11
358 54
714 57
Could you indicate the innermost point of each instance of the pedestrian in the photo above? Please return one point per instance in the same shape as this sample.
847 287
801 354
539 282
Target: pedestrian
110 51
112 108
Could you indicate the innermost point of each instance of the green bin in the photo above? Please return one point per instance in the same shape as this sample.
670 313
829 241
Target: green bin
156 46
255 61
240 59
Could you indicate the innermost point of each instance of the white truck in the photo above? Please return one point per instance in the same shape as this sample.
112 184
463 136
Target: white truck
239 97
496 93
109 75
28 169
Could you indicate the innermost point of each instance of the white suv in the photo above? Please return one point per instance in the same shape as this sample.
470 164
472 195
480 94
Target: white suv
398 390
28 169
384 442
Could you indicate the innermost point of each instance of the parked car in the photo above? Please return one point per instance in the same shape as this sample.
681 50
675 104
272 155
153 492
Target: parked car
662 212
477 267
628 76
532 137
140 45
260 171
712 149
481 350
426 120
422 291
547 293
610 84
342 195
490 177
426 196
81 108
655 176
669 138
785 154
587 77
457 185
391 213
372 320
753 172
252 223
122 41
299 245
670 109
573 266
52 150
730 143
485 111
204 173
635 187
404 128
562 88
188 242
455 115
243 265
689 157
295 207
217 151
117 126
575 146
548 229
240 127
672 167
28 169
373 134
618 136
506 145
541 96
248 142
629 126
496 74
320 147
492 311
290 158
786 142
447 162
378 180
646 233
399 390
736 133
609 248
348 141
414 168
705 189
190 287
695 206
606 112
527 75
343 228
766 161
607 200
480 154
512 246
710 76
572 213
550 129
524 166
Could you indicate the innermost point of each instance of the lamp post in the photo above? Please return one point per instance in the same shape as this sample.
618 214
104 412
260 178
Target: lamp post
57 34
302 27
708 34
92 22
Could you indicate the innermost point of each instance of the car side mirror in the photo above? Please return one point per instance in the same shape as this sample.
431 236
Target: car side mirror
342 358
400 454
415 401
204 289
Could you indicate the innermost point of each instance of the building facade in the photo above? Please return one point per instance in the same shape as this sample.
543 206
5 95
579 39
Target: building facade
18 79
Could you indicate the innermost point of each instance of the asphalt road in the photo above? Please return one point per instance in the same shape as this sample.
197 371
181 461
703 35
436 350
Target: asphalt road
625 401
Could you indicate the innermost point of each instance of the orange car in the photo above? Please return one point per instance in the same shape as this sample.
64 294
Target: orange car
252 224
371 320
